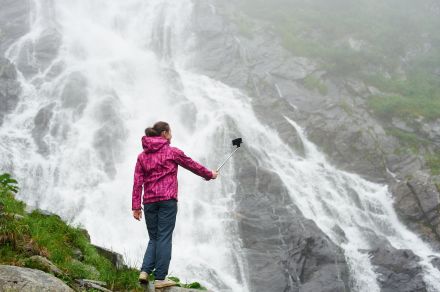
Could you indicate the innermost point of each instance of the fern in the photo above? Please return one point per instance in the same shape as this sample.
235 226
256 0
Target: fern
7 183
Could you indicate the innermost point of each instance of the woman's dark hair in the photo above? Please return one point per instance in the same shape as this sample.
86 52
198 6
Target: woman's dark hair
157 129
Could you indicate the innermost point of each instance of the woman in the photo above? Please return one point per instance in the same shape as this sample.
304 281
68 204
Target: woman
156 172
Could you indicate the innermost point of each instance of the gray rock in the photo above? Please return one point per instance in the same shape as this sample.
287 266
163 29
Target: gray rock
46 47
351 139
398 270
295 68
285 251
404 165
29 280
276 119
44 264
14 21
77 254
109 138
356 87
401 125
115 258
417 202
92 284
74 94
37 54
432 131
10 89
42 123
91 270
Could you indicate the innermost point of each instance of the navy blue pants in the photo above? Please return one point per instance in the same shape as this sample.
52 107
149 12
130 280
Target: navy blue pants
161 219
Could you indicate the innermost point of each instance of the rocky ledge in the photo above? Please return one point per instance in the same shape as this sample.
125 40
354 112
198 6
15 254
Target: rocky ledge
24 279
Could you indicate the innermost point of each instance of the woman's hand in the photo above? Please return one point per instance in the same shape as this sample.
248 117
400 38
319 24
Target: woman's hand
214 174
137 214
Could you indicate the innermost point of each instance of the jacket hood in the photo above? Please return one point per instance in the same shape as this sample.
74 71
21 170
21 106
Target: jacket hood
153 144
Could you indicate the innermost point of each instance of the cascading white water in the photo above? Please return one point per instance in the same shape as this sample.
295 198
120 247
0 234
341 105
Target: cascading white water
83 166
126 52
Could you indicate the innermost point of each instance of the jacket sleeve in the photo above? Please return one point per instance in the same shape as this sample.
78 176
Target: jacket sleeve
137 186
181 159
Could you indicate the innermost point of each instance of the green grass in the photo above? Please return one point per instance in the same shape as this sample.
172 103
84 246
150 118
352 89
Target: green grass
193 285
405 107
320 29
433 162
410 141
313 83
49 236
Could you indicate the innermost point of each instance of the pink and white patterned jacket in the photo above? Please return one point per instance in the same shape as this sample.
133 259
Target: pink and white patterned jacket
156 171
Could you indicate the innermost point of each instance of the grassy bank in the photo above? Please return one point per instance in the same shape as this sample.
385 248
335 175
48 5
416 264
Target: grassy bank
23 235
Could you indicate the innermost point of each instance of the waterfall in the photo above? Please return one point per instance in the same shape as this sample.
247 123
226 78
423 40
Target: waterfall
74 138
115 68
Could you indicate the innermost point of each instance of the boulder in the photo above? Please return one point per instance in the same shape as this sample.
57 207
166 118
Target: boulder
43 264
29 280
92 284
398 270
77 254
417 202
115 258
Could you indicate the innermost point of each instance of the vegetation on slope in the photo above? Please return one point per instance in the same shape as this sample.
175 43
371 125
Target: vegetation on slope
393 45
23 235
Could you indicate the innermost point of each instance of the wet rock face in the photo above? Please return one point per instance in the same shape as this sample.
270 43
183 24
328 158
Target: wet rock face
74 94
398 270
14 21
222 56
41 127
36 55
417 202
23 279
284 251
109 138
432 129
9 88
336 120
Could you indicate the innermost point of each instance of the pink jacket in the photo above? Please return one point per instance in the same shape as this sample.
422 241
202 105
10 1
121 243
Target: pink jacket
156 171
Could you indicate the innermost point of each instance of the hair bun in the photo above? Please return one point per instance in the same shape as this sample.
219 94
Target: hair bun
157 129
150 132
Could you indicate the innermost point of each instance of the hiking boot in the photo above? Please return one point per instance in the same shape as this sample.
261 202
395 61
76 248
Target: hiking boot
143 277
164 283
